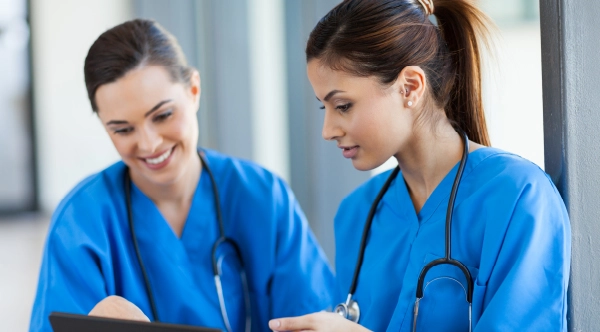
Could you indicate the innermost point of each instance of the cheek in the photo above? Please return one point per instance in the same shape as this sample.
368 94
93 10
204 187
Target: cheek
373 126
124 145
183 127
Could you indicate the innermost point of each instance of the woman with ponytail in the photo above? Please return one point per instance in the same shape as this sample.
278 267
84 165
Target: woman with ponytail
460 236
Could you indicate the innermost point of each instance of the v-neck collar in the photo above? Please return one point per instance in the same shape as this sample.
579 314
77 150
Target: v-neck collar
399 197
153 229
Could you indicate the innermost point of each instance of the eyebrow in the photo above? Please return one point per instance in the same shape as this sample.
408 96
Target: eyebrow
330 94
156 107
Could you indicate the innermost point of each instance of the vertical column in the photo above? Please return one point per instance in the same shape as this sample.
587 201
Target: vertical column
268 84
214 36
571 76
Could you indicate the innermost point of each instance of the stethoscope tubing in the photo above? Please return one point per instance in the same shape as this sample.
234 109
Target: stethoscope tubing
366 230
215 262
448 240
345 308
137 248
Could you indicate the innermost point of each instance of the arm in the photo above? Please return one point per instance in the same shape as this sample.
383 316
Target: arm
526 286
71 278
302 281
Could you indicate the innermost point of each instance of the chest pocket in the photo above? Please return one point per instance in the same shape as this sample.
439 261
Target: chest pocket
444 305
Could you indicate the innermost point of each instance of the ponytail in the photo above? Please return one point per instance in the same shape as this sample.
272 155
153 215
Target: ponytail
463 27
381 37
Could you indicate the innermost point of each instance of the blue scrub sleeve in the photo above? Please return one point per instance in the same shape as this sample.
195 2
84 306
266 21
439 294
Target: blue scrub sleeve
300 263
71 273
524 284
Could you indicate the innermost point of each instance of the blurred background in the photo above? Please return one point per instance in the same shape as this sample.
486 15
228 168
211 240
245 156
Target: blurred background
256 104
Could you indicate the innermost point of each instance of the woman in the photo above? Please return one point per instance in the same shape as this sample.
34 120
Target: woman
144 228
394 84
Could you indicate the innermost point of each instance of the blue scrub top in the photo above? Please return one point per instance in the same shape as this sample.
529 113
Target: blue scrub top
89 254
510 228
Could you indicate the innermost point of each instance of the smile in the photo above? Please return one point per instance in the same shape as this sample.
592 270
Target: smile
159 159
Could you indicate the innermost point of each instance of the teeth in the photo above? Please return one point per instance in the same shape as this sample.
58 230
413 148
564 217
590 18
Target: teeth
159 159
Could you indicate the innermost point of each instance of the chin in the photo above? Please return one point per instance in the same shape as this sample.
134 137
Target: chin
362 166
167 177
369 165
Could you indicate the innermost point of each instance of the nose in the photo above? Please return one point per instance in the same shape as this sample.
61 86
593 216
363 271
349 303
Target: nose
148 140
331 129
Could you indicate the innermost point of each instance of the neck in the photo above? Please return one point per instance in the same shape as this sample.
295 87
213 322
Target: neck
428 158
178 192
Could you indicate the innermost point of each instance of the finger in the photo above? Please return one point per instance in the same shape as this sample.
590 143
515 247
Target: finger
118 307
301 323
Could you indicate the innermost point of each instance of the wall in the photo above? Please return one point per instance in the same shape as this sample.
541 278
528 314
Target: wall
71 142
571 76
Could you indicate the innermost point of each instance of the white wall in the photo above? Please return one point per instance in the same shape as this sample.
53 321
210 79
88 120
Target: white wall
513 93
268 79
71 142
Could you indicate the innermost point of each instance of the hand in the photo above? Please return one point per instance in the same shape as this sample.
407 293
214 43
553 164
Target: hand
118 307
319 322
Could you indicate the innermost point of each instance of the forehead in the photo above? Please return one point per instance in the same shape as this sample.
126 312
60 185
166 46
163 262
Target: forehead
324 79
322 73
139 90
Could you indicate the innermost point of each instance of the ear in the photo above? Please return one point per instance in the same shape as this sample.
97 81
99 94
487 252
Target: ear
194 88
412 82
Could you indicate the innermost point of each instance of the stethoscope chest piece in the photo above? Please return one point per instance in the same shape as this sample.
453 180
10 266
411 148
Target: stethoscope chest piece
349 310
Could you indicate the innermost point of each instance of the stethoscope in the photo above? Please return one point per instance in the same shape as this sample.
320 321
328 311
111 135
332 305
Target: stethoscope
217 259
351 310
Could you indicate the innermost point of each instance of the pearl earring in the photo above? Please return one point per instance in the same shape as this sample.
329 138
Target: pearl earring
409 103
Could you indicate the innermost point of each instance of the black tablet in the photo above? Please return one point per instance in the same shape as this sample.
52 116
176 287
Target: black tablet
64 322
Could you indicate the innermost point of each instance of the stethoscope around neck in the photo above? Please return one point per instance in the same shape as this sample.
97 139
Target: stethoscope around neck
351 310
217 259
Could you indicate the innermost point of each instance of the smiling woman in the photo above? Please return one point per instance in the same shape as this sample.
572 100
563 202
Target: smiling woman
152 124
173 232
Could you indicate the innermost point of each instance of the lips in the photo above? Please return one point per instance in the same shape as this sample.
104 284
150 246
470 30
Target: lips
349 151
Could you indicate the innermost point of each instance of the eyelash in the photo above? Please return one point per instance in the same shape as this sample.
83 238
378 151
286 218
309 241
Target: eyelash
124 131
163 116
342 108
159 118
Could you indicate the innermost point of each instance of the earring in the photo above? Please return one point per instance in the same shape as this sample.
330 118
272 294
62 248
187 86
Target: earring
410 103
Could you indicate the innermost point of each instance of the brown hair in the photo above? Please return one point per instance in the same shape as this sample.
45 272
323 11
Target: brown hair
130 45
381 37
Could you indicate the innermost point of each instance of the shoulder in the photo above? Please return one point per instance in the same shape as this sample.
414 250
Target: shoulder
96 187
244 173
505 184
90 197
495 167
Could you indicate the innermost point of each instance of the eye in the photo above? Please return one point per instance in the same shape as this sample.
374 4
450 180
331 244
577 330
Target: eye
123 131
322 107
163 116
343 108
